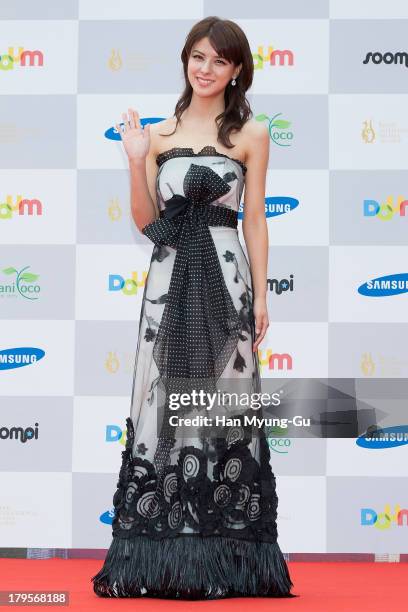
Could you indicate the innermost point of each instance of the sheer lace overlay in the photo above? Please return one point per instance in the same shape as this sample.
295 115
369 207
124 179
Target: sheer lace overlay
196 330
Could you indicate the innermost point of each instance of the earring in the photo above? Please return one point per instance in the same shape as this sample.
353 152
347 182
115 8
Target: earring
233 82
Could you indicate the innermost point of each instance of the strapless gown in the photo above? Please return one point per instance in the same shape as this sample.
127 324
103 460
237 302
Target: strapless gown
195 506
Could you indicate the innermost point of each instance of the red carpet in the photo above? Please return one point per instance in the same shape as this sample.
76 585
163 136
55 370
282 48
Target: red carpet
325 587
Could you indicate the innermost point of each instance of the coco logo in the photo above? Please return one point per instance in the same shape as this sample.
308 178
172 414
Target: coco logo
274 206
385 211
387 58
24 58
127 286
277 440
19 433
278 129
112 133
279 286
383 520
19 357
23 284
389 437
383 286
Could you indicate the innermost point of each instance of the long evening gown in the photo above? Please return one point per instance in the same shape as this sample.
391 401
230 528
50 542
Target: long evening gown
195 507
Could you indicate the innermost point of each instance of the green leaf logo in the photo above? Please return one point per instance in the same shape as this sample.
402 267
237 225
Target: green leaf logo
23 277
281 124
28 277
277 431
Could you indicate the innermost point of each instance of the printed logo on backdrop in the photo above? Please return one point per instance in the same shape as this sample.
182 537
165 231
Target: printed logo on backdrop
375 57
277 439
367 364
385 211
21 284
115 210
12 358
123 362
23 58
383 132
273 57
114 433
275 361
383 365
387 437
115 61
127 286
108 516
274 206
278 129
18 433
384 286
280 286
22 207
384 520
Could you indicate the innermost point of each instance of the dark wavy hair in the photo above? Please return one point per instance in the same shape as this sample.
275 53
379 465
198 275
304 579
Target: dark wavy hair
230 42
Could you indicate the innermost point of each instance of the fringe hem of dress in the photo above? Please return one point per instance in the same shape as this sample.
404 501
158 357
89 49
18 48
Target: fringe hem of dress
193 567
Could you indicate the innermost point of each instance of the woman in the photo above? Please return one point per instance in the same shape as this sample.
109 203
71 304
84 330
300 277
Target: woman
195 507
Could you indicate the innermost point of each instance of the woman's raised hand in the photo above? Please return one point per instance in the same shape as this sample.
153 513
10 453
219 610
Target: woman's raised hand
136 140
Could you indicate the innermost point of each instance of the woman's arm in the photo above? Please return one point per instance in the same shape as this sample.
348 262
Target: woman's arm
139 145
254 225
143 174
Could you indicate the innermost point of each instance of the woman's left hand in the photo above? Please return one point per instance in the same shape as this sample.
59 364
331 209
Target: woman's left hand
261 321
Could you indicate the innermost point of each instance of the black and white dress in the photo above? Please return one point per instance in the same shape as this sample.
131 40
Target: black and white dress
195 506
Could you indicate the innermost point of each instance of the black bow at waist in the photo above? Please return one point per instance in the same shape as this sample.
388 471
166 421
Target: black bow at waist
177 205
202 187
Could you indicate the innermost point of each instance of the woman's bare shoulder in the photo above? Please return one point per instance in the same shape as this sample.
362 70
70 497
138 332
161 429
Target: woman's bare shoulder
164 126
253 134
253 129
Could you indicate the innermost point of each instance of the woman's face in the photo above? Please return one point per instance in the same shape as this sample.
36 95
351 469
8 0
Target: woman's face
208 73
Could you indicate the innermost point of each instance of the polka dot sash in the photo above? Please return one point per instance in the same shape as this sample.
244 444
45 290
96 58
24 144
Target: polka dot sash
199 328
